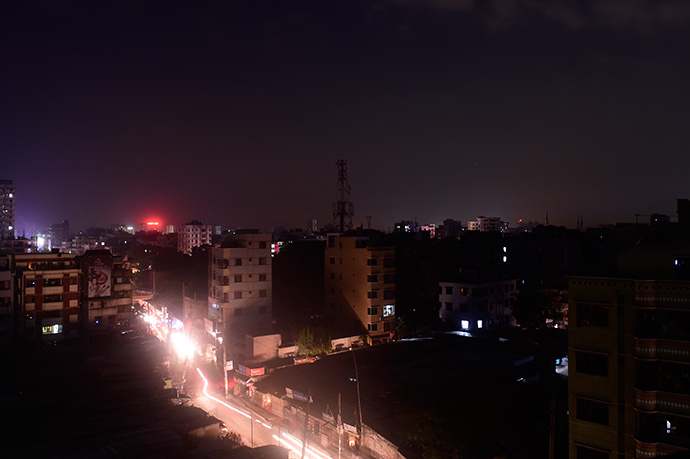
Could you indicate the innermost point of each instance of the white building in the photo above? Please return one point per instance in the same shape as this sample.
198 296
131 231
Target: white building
478 306
485 224
240 292
193 234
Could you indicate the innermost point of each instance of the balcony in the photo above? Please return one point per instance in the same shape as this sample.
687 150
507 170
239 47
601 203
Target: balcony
647 450
53 306
663 349
53 290
662 401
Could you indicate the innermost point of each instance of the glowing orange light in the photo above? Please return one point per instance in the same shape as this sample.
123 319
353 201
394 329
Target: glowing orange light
152 223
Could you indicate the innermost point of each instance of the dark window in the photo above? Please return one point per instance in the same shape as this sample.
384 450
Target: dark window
388 294
372 311
592 411
238 295
388 326
332 275
372 278
262 261
372 327
238 262
262 277
52 298
332 260
389 262
464 307
31 283
262 244
593 315
373 294
371 262
52 282
449 290
592 364
262 293
238 277
449 306
389 278
582 452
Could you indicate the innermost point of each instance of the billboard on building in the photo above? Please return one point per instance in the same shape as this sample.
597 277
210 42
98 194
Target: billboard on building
98 275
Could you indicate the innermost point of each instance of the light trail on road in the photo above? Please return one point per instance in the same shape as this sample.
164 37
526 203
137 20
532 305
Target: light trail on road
206 393
292 443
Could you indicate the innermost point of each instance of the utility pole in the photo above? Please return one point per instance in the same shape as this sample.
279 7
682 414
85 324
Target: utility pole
306 425
340 427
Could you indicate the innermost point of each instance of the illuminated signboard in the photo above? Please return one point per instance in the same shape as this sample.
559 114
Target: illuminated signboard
388 310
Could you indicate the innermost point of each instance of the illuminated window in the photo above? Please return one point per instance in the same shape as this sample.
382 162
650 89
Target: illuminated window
52 329
465 324
480 324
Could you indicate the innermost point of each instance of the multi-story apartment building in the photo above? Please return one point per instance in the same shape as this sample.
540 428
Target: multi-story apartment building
6 300
360 277
108 289
478 306
629 351
240 291
485 224
193 234
6 209
47 302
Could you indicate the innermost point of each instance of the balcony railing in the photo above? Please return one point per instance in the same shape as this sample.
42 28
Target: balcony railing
662 349
647 450
662 401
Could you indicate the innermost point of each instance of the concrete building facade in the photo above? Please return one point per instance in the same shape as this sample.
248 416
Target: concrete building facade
240 293
478 306
7 209
361 277
486 224
193 234
47 296
629 360
108 289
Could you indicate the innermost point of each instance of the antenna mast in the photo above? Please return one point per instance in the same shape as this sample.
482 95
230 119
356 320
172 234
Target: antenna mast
343 209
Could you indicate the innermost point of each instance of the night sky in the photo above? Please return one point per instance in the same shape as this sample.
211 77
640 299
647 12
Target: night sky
235 112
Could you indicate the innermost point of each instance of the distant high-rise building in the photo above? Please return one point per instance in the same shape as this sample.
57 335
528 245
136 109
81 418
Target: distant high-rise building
193 234
7 209
59 233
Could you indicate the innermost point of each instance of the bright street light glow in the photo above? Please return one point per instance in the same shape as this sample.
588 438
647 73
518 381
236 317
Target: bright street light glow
182 345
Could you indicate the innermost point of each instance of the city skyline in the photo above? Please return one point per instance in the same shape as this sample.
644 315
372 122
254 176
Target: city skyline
234 113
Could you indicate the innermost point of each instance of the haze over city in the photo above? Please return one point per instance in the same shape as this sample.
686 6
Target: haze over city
235 113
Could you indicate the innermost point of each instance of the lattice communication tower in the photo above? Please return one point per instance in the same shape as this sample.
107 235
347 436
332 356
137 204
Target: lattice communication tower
343 209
